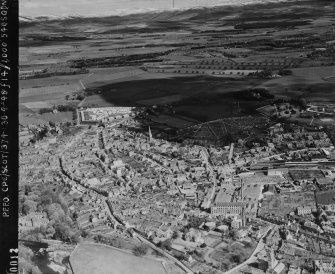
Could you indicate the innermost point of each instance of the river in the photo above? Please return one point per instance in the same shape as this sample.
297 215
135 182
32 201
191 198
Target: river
40 259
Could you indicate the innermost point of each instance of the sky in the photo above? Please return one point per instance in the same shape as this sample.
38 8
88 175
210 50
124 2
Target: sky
88 8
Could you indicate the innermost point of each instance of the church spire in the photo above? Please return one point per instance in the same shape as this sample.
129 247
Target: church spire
150 135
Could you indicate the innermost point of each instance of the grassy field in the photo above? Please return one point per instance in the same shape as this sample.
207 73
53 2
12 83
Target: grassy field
46 96
56 80
35 104
58 117
131 92
49 90
96 259
309 82
36 119
25 110
30 120
314 73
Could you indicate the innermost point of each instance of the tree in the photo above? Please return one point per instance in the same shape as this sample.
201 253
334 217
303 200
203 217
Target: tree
27 189
46 199
62 232
235 258
247 244
25 209
195 221
45 110
180 257
55 212
232 234
175 235
75 237
224 266
284 72
50 231
60 199
175 154
98 238
75 215
32 205
302 102
80 97
39 208
263 265
26 264
117 242
140 250
165 245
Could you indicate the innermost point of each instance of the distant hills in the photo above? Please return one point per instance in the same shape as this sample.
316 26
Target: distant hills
31 10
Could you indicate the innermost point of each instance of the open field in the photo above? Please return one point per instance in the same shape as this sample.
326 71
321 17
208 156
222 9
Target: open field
95 259
36 119
48 90
123 54
51 81
131 92
30 120
58 117
307 82
98 77
36 104
46 96
315 73
161 100
25 110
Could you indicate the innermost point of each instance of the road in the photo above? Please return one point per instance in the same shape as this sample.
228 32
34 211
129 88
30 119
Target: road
252 257
71 143
153 246
213 178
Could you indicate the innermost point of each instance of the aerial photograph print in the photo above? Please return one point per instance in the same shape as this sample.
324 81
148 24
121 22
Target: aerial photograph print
176 137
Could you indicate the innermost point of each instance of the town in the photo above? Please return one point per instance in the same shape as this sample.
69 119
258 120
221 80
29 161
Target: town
178 141
227 209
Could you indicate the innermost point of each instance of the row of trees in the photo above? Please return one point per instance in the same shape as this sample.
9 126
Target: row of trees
60 108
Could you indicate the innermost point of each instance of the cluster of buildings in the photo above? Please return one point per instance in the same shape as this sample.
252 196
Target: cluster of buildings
194 196
297 138
104 114
32 221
